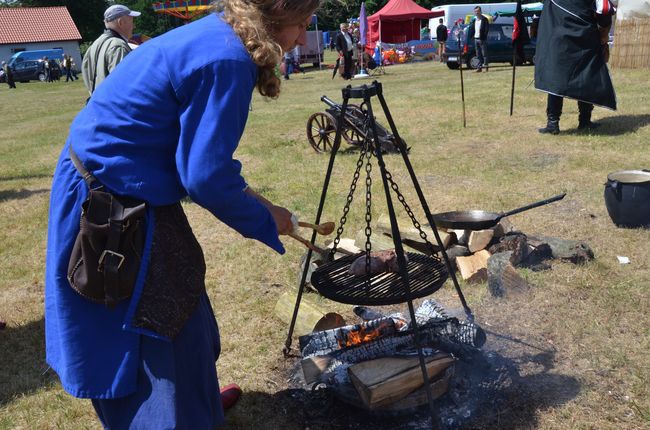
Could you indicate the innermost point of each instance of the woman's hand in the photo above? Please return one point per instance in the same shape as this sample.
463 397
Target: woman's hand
282 218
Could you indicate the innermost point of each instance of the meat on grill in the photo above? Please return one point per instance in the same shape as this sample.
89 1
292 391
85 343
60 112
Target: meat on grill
380 262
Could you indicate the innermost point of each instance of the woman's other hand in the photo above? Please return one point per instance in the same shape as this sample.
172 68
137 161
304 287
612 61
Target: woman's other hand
282 218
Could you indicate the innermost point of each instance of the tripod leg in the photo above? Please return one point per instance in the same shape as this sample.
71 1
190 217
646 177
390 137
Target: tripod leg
328 175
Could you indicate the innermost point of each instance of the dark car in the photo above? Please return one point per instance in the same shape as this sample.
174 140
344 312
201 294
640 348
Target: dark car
499 47
33 70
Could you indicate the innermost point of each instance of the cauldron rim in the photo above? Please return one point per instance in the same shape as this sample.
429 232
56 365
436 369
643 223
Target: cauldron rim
630 176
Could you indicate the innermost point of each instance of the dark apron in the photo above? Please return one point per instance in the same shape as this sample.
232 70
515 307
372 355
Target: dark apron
568 59
175 278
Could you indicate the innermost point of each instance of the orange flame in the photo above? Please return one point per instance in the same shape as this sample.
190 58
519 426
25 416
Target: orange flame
363 335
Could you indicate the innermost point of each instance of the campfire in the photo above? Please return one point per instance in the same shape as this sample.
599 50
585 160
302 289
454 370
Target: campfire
374 364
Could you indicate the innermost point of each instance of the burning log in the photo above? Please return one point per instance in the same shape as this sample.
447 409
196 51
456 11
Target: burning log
386 380
324 342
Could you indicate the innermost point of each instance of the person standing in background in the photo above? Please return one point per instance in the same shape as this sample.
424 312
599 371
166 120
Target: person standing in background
425 33
9 75
344 48
110 48
479 30
441 36
571 59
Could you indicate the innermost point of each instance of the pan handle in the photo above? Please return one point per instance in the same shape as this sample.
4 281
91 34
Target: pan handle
531 206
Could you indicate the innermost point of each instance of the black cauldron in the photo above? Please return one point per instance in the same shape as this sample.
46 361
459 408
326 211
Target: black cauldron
627 197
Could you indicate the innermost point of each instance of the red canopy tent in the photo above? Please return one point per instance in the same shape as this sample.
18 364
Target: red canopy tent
397 22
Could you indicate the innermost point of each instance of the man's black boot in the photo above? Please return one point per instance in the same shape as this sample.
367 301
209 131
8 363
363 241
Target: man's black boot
552 127
584 117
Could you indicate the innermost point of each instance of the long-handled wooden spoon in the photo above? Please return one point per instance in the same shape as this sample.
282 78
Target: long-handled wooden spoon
307 243
325 228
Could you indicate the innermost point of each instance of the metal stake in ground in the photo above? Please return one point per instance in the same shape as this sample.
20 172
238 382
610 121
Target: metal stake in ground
460 69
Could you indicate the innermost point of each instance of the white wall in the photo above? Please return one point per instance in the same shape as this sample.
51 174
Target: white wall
69 47
633 8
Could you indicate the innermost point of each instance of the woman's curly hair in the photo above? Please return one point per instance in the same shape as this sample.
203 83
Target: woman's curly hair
255 22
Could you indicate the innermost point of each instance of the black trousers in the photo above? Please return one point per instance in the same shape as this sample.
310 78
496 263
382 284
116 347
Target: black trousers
554 109
347 65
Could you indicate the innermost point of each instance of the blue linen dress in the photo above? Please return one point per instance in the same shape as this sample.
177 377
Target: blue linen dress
164 125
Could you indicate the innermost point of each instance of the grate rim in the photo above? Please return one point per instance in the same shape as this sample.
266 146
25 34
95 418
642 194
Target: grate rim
426 275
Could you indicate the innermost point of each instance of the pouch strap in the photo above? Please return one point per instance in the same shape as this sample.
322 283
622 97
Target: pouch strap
111 260
88 177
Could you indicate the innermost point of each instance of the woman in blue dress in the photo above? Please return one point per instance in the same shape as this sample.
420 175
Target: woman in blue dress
164 126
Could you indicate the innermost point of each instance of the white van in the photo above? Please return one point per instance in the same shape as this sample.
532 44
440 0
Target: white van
452 12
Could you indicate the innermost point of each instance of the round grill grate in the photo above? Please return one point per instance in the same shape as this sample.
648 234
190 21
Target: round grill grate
332 280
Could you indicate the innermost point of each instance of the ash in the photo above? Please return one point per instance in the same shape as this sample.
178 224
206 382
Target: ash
502 385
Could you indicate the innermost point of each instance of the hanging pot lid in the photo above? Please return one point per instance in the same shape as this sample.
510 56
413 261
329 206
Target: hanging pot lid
630 176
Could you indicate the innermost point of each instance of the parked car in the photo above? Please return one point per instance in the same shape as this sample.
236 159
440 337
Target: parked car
499 47
33 70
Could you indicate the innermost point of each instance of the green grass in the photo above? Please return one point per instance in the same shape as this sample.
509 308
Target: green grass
594 316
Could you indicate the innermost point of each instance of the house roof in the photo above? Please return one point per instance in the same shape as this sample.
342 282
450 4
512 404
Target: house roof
36 24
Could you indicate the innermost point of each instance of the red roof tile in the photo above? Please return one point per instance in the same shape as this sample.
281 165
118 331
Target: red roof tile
36 24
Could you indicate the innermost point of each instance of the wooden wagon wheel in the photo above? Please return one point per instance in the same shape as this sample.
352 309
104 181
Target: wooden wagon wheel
321 129
352 136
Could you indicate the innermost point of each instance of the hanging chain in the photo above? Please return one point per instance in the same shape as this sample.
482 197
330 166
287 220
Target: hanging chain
368 230
346 208
408 210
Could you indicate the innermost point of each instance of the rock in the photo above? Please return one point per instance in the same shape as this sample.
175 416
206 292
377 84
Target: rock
576 252
515 242
538 253
503 279
456 251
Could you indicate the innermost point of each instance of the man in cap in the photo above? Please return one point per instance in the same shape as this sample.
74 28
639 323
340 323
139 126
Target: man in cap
110 48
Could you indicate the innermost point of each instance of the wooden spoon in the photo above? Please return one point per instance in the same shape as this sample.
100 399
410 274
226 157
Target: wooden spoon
307 243
325 228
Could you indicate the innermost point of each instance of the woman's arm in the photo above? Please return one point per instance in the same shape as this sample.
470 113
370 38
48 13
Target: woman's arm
281 216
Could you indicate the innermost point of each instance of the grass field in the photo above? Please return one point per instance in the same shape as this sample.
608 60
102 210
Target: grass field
590 322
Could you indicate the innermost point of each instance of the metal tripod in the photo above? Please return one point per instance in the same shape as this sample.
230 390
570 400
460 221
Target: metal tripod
365 92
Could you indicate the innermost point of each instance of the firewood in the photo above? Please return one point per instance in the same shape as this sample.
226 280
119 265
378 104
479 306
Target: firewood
503 227
462 236
474 267
479 239
309 312
386 380
314 367
437 387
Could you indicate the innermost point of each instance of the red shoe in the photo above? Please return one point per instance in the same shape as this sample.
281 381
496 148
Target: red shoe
229 395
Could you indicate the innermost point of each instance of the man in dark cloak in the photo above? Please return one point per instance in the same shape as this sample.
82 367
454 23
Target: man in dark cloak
571 57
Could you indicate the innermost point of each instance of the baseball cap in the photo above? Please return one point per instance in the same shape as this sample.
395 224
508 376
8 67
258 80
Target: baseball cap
118 10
